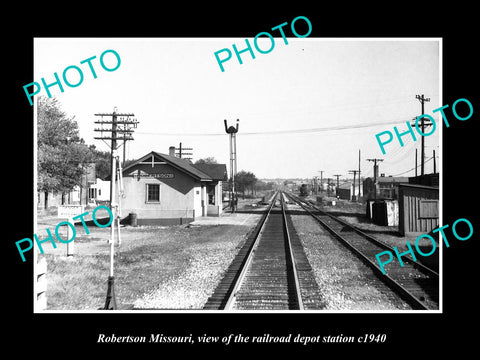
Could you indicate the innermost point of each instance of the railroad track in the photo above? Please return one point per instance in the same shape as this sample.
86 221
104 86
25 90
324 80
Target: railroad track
271 270
415 283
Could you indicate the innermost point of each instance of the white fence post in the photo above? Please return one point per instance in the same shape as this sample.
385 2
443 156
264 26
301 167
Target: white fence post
41 284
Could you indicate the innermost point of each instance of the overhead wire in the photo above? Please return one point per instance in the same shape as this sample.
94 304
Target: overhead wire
426 161
396 156
281 132
322 109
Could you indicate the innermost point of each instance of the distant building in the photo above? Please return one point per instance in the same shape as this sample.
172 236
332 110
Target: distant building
426 180
345 191
387 187
164 189
99 192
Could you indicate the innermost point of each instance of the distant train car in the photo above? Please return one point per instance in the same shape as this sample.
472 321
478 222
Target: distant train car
303 190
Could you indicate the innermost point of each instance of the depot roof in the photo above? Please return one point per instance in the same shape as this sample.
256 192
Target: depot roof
215 171
202 172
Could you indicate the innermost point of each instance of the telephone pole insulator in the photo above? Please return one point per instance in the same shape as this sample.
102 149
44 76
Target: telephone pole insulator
423 100
121 124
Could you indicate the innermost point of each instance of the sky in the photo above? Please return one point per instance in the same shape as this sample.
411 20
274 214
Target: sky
305 107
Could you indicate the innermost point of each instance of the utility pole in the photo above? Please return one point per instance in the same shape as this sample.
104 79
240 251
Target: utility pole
423 100
126 127
181 152
321 180
232 131
124 151
338 183
375 170
359 174
416 162
113 133
354 172
434 163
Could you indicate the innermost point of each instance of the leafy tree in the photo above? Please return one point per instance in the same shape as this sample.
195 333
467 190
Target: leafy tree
207 160
128 162
62 155
262 185
245 179
102 162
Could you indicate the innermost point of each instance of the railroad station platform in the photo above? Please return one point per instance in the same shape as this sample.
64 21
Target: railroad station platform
247 219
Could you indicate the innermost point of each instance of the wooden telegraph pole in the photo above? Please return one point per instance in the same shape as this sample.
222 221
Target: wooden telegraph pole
114 134
359 181
375 169
354 172
182 152
423 100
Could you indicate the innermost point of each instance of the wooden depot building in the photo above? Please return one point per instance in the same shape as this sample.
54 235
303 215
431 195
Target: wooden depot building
164 189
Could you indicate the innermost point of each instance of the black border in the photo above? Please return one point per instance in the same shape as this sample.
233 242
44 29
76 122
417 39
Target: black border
410 334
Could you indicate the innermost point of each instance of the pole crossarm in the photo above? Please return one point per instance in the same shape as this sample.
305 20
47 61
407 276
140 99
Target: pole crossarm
422 100
112 114
125 132
375 175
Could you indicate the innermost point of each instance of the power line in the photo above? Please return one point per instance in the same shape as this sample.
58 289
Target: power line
426 161
319 108
281 132
423 100
400 151
401 155
112 134
181 152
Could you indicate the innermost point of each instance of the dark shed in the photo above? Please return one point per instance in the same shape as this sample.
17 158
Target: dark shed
418 209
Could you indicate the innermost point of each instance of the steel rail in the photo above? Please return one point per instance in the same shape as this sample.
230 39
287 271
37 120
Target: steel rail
407 295
246 264
408 259
298 294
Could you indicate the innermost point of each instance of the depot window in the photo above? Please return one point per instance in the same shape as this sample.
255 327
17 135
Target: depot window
153 193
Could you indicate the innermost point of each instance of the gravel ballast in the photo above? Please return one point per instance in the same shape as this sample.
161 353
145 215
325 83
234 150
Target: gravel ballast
207 262
156 267
346 283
